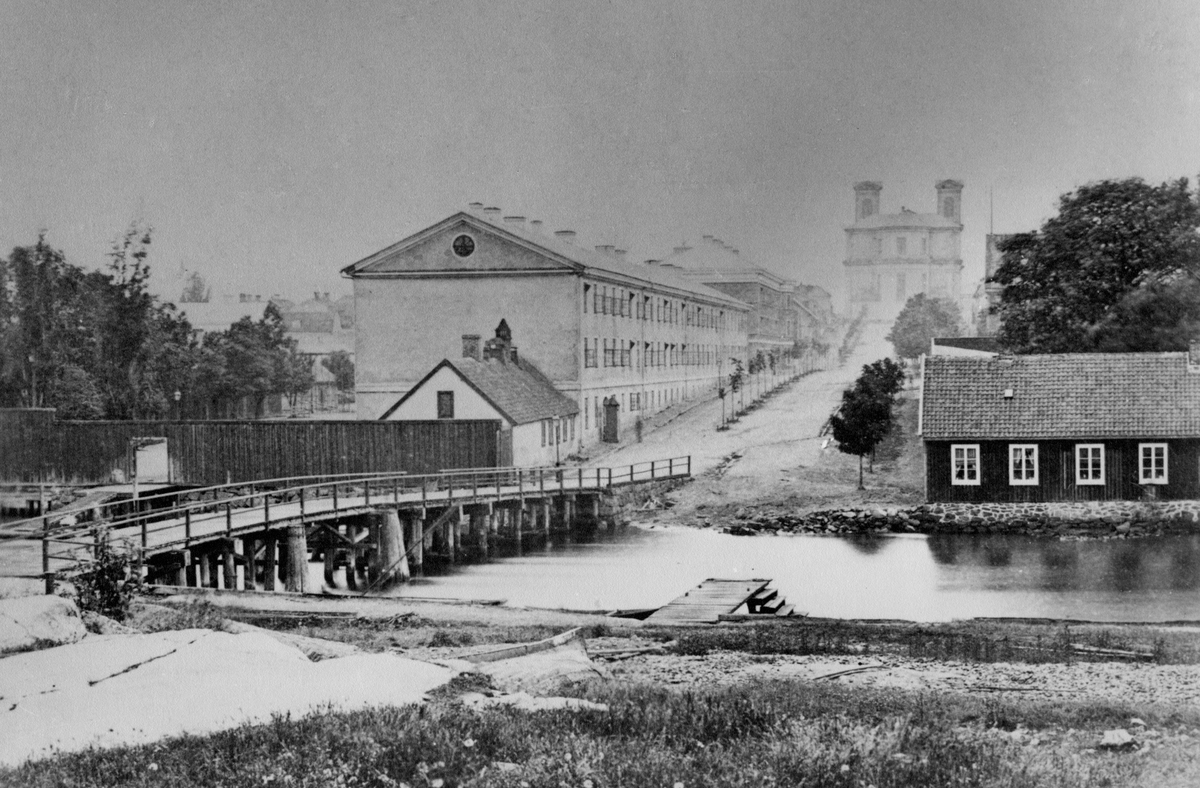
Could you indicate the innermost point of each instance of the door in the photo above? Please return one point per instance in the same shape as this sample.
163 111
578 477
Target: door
612 410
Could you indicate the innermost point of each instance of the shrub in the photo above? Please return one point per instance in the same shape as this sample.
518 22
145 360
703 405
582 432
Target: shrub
105 584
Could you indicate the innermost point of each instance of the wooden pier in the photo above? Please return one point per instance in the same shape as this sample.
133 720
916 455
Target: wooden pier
368 530
720 600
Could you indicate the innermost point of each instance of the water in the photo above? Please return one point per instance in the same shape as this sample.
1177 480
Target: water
908 577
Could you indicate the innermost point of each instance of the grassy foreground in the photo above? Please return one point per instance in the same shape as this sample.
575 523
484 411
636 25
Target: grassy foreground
779 733
760 733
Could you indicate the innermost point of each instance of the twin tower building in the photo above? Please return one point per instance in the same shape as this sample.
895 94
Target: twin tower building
891 257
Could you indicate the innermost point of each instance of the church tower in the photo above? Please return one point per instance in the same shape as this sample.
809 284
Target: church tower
949 200
866 199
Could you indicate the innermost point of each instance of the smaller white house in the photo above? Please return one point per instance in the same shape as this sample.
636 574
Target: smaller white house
496 384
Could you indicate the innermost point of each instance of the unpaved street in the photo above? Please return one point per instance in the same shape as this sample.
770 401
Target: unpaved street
755 459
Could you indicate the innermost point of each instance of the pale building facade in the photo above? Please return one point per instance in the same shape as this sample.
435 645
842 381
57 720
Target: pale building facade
620 339
892 257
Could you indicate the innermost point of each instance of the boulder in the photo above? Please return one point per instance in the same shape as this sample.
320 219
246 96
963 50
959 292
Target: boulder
33 622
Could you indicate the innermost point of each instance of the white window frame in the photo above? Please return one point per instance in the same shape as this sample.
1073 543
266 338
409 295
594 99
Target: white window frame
968 449
1013 480
1080 466
1143 477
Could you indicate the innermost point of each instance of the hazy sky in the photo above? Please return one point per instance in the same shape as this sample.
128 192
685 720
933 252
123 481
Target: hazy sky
271 143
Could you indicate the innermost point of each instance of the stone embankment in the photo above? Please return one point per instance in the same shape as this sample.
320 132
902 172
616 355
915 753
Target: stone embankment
1117 519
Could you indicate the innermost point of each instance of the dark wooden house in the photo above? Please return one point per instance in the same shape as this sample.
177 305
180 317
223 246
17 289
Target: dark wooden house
1069 427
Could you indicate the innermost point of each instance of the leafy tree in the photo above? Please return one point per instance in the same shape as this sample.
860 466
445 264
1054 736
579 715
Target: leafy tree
1118 253
922 319
341 366
865 415
860 424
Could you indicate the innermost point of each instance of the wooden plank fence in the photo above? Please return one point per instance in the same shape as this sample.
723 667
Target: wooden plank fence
34 447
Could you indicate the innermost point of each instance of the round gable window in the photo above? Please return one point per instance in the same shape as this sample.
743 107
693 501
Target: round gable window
463 245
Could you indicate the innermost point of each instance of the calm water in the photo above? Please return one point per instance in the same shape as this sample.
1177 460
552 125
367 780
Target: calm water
910 577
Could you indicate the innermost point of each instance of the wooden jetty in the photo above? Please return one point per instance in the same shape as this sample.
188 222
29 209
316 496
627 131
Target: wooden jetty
369 530
720 600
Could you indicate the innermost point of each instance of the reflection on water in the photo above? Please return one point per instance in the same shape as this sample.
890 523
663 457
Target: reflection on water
910 577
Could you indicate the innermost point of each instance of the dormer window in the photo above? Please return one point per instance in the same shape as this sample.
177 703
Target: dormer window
463 245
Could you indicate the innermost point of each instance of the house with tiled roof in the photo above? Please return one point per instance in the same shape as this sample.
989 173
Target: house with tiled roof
1062 427
491 381
602 328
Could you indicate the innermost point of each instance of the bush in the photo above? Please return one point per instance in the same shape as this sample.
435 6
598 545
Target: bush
105 584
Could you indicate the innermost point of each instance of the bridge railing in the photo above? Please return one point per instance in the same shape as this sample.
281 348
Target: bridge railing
221 505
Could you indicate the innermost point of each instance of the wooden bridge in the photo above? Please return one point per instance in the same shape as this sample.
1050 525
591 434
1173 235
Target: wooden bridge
375 528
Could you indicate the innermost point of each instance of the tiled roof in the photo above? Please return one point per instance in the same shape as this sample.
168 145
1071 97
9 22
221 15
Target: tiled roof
518 390
908 219
664 276
1078 395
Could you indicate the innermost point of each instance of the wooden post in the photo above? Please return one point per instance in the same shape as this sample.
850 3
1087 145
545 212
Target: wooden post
204 571
181 574
251 581
297 559
269 548
596 507
451 533
391 549
230 566
49 578
418 542
546 515
329 555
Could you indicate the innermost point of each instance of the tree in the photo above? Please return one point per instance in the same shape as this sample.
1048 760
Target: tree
341 366
865 415
1118 254
922 319
860 424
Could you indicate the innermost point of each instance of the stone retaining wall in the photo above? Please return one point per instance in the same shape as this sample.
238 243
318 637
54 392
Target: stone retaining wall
1101 519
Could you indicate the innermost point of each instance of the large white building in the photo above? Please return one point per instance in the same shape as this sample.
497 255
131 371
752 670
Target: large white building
892 257
618 338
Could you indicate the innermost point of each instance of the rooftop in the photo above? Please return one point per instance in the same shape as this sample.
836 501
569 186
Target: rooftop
1069 396
904 219
517 389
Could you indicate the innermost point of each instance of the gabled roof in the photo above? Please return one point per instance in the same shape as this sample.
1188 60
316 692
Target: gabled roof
980 344
518 390
556 251
1071 396
905 219
712 261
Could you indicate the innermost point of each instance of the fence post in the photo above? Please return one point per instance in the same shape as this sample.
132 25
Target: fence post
49 578
652 464
266 508
631 472
187 528
335 497
520 490
228 519
142 569
302 501
689 465
367 492
671 467
580 485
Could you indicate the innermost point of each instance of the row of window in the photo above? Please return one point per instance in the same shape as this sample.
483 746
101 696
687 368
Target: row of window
560 430
633 402
1023 463
620 302
621 353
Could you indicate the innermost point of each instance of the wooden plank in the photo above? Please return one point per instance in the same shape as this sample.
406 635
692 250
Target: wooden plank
709 600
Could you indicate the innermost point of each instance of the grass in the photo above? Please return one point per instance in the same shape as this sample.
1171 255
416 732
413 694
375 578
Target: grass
783 733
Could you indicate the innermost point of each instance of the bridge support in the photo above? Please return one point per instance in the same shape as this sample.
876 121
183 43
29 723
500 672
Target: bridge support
297 559
417 524
391 550
270 546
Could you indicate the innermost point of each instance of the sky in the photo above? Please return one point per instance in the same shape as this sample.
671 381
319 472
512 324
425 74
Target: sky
269 143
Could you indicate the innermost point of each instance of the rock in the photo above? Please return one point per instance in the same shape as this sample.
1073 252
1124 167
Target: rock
1137 722
1118 739
1123 528
33 622
103 625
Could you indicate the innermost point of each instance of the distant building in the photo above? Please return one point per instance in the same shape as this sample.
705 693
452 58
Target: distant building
618 338
987 294
782 312
892 257
491 381
1065 427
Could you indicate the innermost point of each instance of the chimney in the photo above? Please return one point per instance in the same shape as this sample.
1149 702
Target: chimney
706 237
565 235
513 353
653 262
866 199
605 249
471 346
620 253
536 224
682 249
491 211
327 296
475 206
518 220
1193 365
316 296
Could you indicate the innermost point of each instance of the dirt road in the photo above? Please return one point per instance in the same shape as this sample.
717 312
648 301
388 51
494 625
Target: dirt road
756 459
